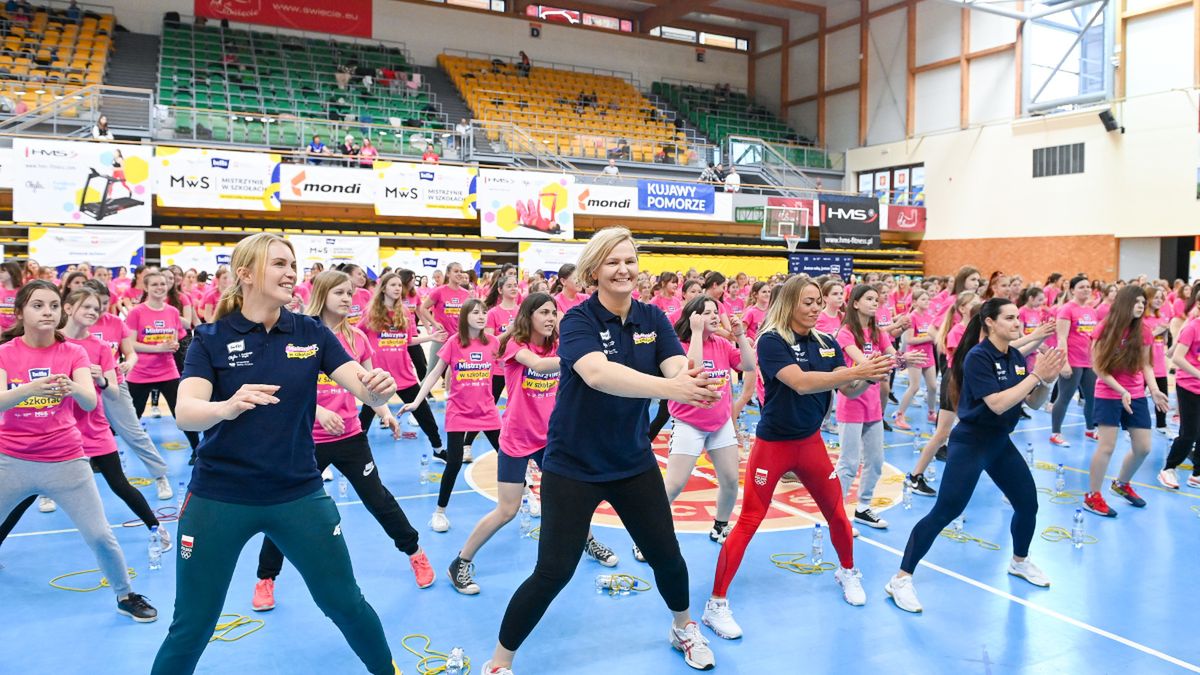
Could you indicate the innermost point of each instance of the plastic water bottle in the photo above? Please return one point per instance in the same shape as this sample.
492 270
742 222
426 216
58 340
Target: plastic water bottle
931 473
603 583
423 477
818 545
454 662
1077 529
343 484
957 525
918 440
907 498
1060 480
180 497
155 549
124 467
1029 454
526 518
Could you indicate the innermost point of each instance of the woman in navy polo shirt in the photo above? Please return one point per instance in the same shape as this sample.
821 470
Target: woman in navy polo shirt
250 383
989 382
615 354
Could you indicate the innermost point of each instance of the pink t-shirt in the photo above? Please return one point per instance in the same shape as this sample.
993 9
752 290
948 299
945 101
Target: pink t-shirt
720 357
331 396
1051 294
1079 335
1134 383
752 318
111 330
867 407
210 299
1178 306
1102 311
954 337
735 305
1189 341
923 327
883 317
133 294
152 327
565 303
358 306
304 290
669 306
900 303
1158 349
830 325
40 428
469 405
8 298
500 320
531 398
93 426
1030 320
447 304
390 347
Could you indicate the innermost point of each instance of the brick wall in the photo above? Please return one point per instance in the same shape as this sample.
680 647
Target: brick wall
1031 257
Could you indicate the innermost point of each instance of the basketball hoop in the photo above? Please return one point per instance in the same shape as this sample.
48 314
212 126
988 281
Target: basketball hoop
792 241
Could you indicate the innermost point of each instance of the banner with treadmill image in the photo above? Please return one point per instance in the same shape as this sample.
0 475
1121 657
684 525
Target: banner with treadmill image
82 182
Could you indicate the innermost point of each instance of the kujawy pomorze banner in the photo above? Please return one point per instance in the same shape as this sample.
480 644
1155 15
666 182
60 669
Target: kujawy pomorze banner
849 222
344 17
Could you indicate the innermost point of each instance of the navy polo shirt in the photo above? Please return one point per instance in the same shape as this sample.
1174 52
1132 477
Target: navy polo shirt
985 372
265 455
593 436
787 415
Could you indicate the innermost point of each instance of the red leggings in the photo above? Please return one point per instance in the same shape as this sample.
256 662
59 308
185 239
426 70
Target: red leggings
769 460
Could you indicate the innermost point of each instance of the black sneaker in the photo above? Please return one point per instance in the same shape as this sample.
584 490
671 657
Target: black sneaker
637 554
886 426
601 553
867 517
135 607
440 455
719 532
941 453
918 486
1025 415
462 575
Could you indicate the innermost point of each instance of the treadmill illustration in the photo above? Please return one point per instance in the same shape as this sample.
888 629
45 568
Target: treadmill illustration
106 206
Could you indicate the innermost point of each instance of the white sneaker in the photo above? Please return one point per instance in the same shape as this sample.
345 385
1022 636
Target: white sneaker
410 420
327 474
535 504
467 456
693 646
155 413
1193 481
47 505
637 554
719 617
164 538
901 590
488 669
439 522
1168 479
164 488
851 583
1029 572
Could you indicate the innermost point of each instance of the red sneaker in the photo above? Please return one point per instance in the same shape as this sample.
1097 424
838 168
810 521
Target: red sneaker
422 570
1091 433
1095 503
264 595
1057 439
931 417
1126 490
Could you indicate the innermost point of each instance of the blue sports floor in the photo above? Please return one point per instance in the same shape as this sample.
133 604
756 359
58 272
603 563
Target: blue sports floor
1120 605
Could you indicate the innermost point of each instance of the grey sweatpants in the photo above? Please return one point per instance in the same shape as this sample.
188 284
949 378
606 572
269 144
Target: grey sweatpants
861 442
127 423
69 483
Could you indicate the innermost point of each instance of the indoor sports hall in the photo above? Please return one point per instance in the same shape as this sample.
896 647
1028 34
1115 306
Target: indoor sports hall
939 185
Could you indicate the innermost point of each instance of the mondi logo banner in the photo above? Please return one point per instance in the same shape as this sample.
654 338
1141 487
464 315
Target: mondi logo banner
331 185
849 222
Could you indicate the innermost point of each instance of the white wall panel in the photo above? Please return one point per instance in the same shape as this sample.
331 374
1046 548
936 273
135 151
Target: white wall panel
803 118
887 93
990 30
939 30
938 97
766 81
803 70
1159 51
841 121
841 58
992 88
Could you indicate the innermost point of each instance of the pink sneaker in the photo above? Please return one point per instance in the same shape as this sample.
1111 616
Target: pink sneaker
264 595
901 423
1057 439
931 417
422 570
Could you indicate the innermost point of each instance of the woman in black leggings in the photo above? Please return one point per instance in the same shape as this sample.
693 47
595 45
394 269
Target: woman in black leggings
988 382
615 355
1187 389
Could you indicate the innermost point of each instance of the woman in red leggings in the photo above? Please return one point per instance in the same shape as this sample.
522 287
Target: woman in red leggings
800 367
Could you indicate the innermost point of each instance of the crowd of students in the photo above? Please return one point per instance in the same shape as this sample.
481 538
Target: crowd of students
246 352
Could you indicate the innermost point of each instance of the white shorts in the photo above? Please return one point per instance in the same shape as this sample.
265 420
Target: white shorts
688 440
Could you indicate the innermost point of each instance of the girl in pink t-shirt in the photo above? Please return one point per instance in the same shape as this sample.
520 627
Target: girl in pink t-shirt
664 294
1076 327
444 304
528 353
919 337
1186 359
502 303
10 280
42 378
752 318
392 331
830 319
208 304
860 420
1158 322
711 428
362 294
466 358
566 289
342 441
1121 355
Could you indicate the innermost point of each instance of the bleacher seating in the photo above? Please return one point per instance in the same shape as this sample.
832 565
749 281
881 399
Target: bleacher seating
243 73
720 115
546 105
47 56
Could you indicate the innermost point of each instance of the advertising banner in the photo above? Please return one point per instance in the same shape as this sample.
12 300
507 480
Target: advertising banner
916 188
676 198
849 222
81 182
546 256
99 247
525 205
216 179
906 218
865 183
329 184
425 263
425 190
200 257
343 17
883 184
816 264
330 250
900 186
625 202
8 168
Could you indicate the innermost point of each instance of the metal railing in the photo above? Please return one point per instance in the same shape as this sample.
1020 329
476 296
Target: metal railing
551 65
75 108
700 85
189 20
507 139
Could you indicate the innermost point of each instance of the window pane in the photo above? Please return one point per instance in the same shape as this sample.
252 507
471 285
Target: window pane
678 34
715 40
